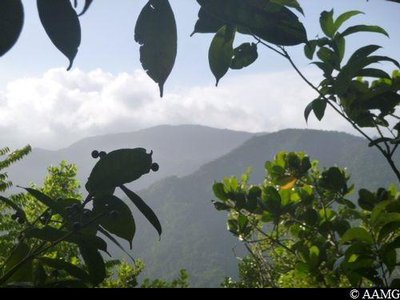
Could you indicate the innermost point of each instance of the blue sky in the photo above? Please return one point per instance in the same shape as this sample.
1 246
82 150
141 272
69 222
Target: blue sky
106 91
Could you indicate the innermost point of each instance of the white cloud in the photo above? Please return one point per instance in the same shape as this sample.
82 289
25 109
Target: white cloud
61 107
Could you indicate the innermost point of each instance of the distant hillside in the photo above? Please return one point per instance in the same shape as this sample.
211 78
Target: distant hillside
179 150
195 235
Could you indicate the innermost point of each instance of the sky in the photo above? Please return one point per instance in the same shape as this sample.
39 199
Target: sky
107 91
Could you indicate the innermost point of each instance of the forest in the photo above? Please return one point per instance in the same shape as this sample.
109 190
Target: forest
189 205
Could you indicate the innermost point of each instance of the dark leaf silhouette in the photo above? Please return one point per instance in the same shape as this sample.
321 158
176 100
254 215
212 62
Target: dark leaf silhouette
156 32
118 167
269 21
94 262
60 264
61 23
86 7
118 220
11 22
144 208
244 55
112 239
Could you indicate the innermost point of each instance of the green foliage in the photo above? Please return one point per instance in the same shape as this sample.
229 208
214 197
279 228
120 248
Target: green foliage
56 231
305 231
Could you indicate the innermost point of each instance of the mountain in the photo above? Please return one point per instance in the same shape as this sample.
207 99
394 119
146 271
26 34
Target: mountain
179 150
194 233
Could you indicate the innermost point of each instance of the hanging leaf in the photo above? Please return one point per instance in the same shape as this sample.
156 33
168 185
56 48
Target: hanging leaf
112 239
221 52
244 55
269 21
206 23
61 24
24 272
118 167
85 7
94 262
118 220
156 32
11 23
144 208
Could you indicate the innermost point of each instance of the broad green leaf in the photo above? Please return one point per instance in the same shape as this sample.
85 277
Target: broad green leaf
94 262
219 191
118 167
327 24
244 56
24 271
221 52
269 21
118 219
333 180
358 234
344 17
143 208
11 23
156 32
61 24
308 110
364 28
60 264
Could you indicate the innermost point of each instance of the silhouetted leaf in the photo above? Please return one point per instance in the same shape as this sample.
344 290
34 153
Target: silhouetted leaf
46 200
219 191
269 21
156 32
290 3
24 272
221 52
118 167
118 220
60 264
206 23
244 55
112 239
144 208
51 234
86 7
11 23
364 28
61 23
94 262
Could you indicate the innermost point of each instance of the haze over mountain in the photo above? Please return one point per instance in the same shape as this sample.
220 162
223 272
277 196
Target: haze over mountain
191 158
179 150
